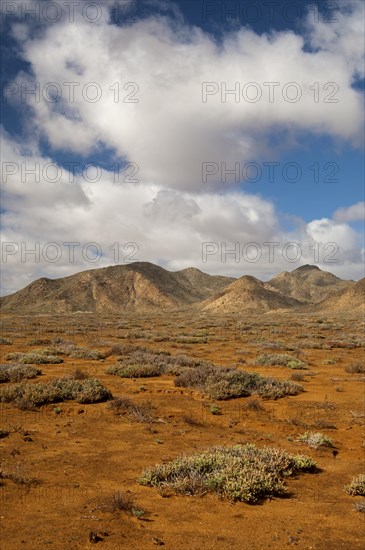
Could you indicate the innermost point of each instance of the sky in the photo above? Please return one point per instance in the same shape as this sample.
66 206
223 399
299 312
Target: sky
222 135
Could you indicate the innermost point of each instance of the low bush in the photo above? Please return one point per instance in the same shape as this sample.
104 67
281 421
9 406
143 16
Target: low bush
213 381
119 500
357 486
16 373
85 353
227 383
5 341
39 342
243 473
79 374
17 475
31 396
40 359
254 404
134 371
297 377
315 440
281 359
359 506
33 358
355 368
137 412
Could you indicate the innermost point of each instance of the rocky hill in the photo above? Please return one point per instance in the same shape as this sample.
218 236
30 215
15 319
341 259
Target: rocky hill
138 286
307 284
349 300
143 287
248 293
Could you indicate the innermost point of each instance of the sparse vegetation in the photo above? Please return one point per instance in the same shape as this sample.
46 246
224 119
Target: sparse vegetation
79 374
137 412
84 353
16 373
227 383
5 341
315 440
191 421
119 500
214 409
297 377
243 473
134 371
39 342
31 396
359 506
16 474
254 404
281 359
355 368
357 486
33 358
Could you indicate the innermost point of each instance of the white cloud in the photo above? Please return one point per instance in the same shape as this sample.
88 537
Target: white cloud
170 132
352 213
168 227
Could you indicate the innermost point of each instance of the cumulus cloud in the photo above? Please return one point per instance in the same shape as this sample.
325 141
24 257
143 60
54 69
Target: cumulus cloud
232 233
351 213
145 96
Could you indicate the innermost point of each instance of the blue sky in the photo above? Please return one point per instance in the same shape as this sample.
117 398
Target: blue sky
151 63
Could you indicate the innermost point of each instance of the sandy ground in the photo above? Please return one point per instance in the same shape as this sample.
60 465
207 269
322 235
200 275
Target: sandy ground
83 454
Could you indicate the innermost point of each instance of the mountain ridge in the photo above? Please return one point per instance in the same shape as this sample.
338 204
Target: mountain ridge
144 286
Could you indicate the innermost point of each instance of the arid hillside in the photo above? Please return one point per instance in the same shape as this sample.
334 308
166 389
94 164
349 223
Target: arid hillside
248 293
307 283
350 300
139 286
142 287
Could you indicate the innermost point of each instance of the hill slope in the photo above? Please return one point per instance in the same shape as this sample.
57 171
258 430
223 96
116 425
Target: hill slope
349 300
307 284
139 286
248 293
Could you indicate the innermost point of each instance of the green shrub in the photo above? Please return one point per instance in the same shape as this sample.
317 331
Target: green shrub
214 410
357 486
243 473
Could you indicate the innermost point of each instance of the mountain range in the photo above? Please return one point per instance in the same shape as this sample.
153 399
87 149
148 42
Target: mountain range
143 287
